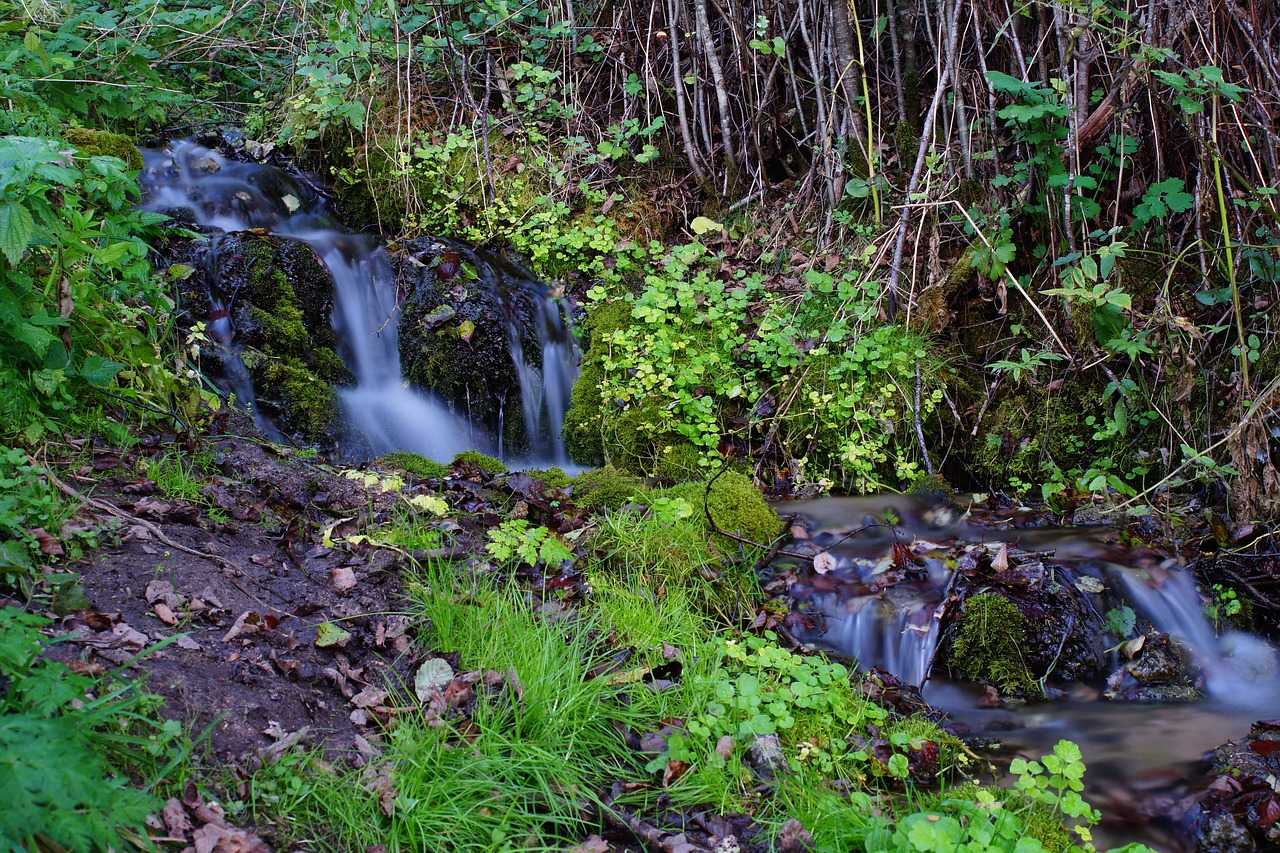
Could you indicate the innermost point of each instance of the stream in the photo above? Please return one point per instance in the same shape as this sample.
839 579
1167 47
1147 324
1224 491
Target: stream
890 575
894 583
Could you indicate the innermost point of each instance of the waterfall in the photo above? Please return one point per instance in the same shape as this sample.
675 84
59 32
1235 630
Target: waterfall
1238 668
227 195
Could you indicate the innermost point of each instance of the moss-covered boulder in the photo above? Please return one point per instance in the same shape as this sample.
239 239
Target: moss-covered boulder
608 488
584 425
100 143
456 333
280 299
990 646
735 505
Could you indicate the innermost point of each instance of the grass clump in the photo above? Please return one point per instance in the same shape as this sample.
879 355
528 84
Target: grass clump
520 770
415 463
735 505
665 549
476 459
988 646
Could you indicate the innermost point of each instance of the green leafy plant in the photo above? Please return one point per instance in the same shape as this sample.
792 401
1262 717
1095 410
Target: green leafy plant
515 540
60 733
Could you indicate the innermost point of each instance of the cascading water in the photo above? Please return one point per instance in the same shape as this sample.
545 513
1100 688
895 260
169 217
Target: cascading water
1238 668
230 196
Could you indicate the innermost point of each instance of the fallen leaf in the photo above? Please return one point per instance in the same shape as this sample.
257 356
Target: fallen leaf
1089 584
432 676
342 579
1000 562
49 544
329 635
824 563
246 623
165 614
175 818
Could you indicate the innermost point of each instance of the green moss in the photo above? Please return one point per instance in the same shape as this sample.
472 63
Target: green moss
608 488
677 462
552 478
306 404
735 504
919 728
101 143
988 647
1032 431
413 463
477 459
584 424
907 140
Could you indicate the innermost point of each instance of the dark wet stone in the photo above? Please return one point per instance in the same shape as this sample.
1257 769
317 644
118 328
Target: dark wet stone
1223 833
1159 662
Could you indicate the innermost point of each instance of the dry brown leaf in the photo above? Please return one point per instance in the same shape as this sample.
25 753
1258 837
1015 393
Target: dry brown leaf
824 563
1000 562
342 579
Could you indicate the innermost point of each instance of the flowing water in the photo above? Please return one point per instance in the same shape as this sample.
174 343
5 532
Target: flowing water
884 598
229 196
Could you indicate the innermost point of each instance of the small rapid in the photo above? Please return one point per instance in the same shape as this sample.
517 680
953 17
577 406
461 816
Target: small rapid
223 195
1146 696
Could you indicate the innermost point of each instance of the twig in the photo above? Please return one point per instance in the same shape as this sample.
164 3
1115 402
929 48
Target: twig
112 509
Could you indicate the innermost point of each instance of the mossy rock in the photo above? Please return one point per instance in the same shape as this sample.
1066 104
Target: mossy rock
476 459
553 477
414 463
608 488
455 339
300 401
990 646
584 424
102 143
281 298
735 505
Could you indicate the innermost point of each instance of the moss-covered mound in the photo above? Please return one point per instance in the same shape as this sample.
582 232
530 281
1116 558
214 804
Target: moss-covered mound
281 299
989 647
735 505
584 425
608 488
476 459
414 463
101 143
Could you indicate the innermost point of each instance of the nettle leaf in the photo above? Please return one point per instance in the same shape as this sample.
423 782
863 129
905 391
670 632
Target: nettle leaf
16 230
99 370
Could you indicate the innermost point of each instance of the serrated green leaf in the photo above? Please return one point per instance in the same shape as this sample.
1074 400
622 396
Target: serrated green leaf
16 230
99 370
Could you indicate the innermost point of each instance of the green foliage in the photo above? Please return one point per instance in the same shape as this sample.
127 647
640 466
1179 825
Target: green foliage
128 65
32 515
514 540
57 789
79 308
704 350
988 646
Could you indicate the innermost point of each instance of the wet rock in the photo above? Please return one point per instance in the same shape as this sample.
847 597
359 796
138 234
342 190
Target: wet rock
456 332
1223 833
765 757
1159 662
